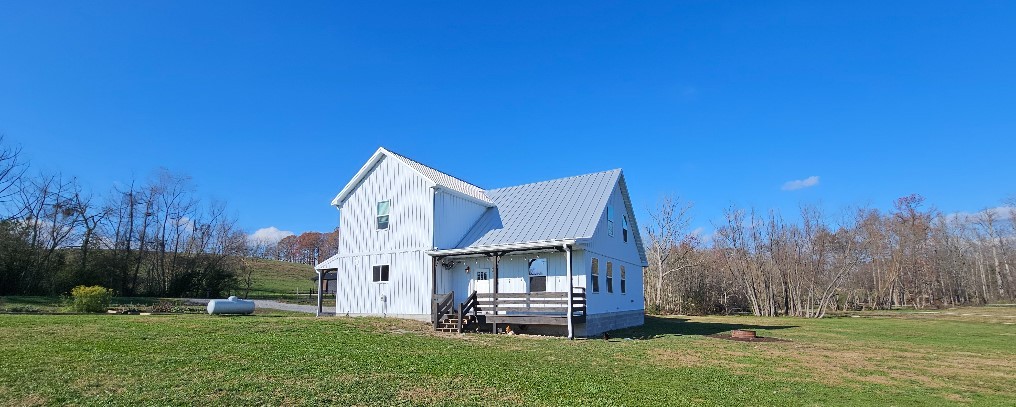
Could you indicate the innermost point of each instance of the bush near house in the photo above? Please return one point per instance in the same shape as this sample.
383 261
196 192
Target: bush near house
94 298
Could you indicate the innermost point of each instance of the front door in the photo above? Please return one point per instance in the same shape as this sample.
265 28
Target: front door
482 281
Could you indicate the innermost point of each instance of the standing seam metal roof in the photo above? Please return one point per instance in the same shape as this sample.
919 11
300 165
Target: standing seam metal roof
565 208
446 180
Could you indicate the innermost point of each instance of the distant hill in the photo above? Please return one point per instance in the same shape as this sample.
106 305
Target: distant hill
273 277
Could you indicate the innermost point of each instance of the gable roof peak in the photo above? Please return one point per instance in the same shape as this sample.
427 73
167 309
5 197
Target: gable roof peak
452 184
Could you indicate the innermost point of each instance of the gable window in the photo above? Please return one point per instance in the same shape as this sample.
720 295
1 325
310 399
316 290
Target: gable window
383 208
610 220
381 273
624 227
622 279
594 275
537 275
610 277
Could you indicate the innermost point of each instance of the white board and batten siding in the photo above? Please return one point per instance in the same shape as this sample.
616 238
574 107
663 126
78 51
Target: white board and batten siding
453 217
401 246
606 248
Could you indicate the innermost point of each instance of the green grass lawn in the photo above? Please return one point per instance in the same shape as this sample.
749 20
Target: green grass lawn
890 358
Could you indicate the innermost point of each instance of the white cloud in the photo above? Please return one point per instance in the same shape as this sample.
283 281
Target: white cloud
800 183
270 235
1002 214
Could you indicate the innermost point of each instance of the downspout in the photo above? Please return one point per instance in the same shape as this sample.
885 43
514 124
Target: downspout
571 282
433 238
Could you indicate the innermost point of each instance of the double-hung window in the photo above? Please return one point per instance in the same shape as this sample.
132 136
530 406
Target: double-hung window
610 277
594 275
381 273
383 208
622 279
537 275
610 220
624 227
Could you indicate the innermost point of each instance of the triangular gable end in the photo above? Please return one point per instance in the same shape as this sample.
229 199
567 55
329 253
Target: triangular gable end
634 223
623 187
447 182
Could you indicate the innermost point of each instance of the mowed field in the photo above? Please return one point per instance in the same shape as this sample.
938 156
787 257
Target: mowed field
274 278
961 356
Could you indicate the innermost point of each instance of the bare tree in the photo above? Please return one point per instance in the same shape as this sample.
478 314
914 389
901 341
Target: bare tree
670 243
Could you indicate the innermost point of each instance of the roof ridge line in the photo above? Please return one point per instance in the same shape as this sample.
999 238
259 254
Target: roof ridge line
437 170
554 179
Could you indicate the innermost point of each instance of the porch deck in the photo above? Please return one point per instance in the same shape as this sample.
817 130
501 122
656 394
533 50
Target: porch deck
540 308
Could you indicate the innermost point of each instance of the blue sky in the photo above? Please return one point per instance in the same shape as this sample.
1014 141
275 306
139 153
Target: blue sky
273 106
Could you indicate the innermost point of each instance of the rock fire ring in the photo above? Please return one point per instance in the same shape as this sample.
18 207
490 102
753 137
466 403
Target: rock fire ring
745 335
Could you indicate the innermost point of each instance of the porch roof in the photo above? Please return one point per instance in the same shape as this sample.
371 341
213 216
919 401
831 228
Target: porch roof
503 248
332 263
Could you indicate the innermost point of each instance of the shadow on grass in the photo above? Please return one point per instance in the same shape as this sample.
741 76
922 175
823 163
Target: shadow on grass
658 327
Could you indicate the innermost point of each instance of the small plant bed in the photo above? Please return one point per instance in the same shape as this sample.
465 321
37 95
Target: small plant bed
745 335
161 307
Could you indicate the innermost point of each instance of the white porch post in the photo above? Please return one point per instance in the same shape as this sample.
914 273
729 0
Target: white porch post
568 273
321 285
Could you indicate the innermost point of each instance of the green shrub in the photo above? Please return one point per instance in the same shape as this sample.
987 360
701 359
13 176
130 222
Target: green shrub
91 299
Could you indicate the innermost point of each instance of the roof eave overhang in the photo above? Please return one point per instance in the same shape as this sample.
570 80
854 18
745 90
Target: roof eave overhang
509 247
469 198
348 189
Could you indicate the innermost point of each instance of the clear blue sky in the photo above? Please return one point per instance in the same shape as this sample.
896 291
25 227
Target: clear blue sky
273 106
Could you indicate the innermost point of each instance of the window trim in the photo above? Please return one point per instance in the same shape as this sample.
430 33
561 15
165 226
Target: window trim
623 277
530 287
594 275
387 215
381 270
610 220
610 277
624 227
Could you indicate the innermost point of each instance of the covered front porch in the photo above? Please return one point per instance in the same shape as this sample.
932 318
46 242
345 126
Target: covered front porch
506 287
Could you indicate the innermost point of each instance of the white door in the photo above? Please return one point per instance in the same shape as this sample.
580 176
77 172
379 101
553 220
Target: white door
482 282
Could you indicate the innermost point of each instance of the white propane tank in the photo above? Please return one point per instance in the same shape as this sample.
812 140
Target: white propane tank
232 305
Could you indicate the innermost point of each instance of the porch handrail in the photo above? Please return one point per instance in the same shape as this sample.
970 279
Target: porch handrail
465 307
442 305
542 303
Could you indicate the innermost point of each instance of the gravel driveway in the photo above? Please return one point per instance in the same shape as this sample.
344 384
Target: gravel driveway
270 304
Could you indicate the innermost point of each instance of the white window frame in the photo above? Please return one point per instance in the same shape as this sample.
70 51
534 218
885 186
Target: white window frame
610 277
387 215
623 282
376 278
610 220
624 227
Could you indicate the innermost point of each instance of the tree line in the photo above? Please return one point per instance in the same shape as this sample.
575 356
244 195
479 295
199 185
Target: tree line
143 238
763 263
306 248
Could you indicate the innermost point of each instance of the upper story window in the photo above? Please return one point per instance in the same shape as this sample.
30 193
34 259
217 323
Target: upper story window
381 273
610 277
594 275
622 279
610 220
624 227
383 208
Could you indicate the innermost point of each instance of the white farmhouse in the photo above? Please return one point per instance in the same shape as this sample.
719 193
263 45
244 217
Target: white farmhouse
562 256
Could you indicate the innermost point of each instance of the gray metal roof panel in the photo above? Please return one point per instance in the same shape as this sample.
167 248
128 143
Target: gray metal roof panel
565 208
446 180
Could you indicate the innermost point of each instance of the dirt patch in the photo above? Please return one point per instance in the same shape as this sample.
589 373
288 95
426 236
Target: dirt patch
456 391
33 400
754 339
